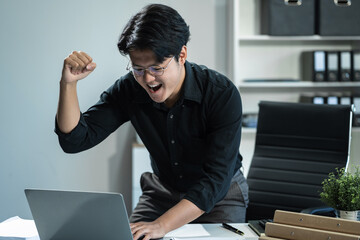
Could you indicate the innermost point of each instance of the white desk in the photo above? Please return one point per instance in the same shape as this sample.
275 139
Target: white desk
216 230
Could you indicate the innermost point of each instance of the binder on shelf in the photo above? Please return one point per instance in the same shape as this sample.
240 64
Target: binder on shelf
345 100
319 66
303 233
332 100
317 222
319 100
314 66
332 65
356 65
345 66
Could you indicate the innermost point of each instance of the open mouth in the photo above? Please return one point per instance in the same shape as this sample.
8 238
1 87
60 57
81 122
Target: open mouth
154 88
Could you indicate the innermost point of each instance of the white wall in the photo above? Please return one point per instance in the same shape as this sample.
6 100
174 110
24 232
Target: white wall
35 37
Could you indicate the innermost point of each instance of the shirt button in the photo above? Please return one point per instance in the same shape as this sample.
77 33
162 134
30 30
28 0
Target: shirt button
171 116
183 105
172 141
176 163
180 176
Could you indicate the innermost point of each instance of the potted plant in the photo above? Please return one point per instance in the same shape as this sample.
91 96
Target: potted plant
341 191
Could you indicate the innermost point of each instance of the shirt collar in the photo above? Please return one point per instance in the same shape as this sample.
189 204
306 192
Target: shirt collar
191 89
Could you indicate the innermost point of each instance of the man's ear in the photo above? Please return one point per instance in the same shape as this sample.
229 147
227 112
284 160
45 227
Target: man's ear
183 55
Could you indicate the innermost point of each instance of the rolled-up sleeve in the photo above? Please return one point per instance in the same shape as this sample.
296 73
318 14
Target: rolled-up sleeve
98 122
69 141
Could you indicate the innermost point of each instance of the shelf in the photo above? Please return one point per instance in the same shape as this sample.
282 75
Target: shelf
252 55
297 38
301 84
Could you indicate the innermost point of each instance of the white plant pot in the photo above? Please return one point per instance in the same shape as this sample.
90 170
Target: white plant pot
350 215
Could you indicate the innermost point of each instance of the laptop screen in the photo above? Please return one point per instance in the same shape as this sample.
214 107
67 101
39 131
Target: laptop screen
76 215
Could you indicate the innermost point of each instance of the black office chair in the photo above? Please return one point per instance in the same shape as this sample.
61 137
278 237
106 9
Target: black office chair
297 145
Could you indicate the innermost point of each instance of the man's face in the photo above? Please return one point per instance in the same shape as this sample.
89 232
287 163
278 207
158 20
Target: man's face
165 88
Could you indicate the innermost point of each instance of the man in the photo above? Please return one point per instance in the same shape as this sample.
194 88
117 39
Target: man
188 117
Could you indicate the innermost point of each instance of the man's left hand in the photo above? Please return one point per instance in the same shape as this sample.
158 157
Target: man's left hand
149 230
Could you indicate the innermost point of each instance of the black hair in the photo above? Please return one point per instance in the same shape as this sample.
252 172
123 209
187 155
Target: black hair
158 28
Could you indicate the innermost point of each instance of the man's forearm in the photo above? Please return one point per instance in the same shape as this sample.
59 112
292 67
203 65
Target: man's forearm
179 215
77 66
68 113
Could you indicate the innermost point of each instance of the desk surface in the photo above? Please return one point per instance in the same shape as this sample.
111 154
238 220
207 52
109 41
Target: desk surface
216 230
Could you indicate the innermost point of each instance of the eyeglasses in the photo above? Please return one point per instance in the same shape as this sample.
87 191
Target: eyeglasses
153 70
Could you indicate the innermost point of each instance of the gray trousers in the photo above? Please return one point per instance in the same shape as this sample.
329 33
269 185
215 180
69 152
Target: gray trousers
157 197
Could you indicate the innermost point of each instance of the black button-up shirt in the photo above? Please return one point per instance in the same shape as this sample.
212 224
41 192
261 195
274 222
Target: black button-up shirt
193 146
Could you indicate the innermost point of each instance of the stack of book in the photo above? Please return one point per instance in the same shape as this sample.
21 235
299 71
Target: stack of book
331 66
300 226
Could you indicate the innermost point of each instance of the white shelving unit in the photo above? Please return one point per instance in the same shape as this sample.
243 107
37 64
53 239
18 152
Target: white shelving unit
256 56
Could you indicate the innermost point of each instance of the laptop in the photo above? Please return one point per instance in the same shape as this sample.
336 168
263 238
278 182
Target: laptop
74 215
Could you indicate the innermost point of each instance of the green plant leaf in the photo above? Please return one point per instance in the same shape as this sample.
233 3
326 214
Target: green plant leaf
341 190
